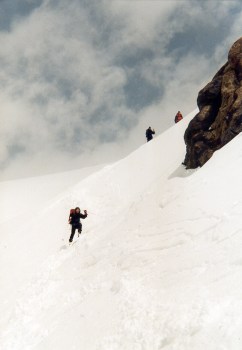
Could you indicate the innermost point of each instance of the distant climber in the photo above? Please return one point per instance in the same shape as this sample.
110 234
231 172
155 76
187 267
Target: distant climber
149 134
178 117
74 221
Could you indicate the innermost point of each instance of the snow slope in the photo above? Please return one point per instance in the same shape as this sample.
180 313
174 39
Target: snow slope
158 264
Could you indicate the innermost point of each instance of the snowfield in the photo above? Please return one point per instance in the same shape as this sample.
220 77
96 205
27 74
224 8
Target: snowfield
158 265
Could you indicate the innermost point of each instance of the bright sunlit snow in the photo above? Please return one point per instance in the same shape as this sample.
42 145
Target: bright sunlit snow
158 265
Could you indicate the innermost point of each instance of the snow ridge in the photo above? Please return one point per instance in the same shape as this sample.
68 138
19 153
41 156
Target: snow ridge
157 265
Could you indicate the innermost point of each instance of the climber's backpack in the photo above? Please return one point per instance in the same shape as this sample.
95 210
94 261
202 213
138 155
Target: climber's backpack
72 211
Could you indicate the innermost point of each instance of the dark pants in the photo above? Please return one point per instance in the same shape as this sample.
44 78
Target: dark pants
73 230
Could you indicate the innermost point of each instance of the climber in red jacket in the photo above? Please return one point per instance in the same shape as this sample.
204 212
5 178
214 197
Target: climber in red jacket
178 117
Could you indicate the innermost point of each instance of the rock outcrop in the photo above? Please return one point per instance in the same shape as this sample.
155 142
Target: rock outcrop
220 112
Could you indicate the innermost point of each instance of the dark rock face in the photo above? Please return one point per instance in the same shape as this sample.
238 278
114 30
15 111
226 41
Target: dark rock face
220 112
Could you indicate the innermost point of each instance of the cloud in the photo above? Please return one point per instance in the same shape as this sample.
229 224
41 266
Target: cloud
78 78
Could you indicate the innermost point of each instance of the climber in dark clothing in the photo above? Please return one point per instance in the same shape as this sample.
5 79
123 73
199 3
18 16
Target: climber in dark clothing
149 134
74 221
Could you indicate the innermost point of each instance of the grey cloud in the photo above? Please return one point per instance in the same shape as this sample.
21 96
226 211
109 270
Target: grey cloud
12 11
139 92
203 28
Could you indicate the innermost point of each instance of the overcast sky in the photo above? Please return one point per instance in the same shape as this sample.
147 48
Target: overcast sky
81 80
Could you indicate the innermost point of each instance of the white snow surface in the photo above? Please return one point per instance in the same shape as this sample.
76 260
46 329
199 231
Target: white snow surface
158 265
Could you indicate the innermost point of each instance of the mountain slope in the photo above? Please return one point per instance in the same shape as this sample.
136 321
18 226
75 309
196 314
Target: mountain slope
157 265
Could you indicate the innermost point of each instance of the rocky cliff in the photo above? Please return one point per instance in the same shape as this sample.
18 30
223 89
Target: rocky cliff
220 112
